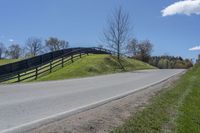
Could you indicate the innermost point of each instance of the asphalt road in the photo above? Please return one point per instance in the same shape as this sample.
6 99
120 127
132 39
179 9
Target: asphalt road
26 106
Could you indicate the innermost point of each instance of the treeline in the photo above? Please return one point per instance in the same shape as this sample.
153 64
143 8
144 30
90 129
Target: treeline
142 51
32 47
198 59
170 62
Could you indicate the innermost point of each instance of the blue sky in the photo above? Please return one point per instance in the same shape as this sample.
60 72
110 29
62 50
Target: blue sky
81 22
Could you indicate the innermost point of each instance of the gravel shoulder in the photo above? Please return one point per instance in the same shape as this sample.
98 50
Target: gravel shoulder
106 117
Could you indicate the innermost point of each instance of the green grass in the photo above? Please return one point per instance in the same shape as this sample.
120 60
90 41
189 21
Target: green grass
189 116
176 109
95 65
6 61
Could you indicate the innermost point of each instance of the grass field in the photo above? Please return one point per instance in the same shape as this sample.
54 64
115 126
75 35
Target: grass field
175 110
6 61
95 65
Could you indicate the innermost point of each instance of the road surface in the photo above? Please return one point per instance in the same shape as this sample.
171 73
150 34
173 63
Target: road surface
26 106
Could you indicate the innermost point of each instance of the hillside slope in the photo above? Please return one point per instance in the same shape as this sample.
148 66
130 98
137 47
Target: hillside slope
95 65
7 61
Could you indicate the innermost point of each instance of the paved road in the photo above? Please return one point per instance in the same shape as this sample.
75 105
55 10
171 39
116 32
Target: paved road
23 106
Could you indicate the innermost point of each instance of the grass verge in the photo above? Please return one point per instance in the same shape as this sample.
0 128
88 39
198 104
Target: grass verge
176 109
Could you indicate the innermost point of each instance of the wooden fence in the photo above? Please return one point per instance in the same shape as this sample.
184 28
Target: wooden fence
37 66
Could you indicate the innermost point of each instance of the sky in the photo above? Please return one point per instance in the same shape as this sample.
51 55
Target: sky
173 26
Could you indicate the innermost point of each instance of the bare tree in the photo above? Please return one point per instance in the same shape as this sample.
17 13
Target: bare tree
63 44
144 50
53 44
2 50
116 33
132 47
14 51
33 46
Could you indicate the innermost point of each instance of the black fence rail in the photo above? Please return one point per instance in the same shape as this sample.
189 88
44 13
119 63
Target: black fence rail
36 66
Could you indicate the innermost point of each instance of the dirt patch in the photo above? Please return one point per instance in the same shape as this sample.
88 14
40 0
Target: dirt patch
105 118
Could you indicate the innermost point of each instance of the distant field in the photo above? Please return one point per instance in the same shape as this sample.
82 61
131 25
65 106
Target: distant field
95 65
6 61
176 110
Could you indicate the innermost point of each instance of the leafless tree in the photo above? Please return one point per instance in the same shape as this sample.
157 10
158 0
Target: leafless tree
117 30
53 44
2 50
63 44
132 47
33 46
14 51
144 50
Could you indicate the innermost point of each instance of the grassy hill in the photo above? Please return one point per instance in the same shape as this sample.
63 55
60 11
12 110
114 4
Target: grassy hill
6 61
95 65
174 110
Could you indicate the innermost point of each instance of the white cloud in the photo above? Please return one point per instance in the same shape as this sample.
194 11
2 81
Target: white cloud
195 48
11 40
186 7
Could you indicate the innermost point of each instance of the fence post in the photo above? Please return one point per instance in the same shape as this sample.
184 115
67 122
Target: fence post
27 64
80 55
50 67
41 59
36 73
62 61
72 58
52 56
18 77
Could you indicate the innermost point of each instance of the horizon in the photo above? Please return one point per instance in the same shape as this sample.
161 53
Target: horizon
173 30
